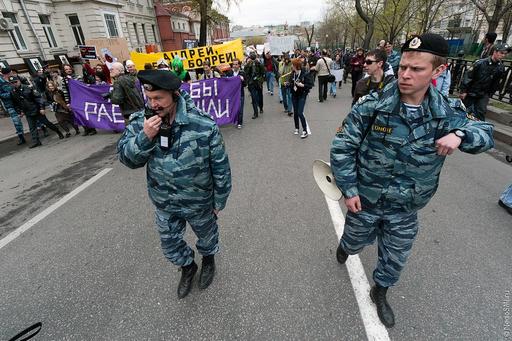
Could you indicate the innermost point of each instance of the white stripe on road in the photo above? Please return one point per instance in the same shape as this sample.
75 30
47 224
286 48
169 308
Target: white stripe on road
375 330
16 233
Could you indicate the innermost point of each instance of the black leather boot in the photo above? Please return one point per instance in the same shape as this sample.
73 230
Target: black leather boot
207 272
187 274
35 144
386 315
341 255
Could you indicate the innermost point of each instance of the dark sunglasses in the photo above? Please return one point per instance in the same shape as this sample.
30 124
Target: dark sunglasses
370 62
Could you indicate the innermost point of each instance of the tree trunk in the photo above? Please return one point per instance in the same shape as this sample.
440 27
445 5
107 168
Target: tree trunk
507 21
369 24
203 29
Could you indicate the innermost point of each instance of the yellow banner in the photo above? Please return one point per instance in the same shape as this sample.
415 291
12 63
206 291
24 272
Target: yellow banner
194 58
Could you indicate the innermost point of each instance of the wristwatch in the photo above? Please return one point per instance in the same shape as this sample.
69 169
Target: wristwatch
460 134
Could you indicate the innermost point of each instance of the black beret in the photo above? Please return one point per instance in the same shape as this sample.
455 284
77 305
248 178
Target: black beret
427 42
159 80
6 70
502 47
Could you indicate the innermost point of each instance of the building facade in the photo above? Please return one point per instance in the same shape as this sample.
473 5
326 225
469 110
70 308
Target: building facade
47 29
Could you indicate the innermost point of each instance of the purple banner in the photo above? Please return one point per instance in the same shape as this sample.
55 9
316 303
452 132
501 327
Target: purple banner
91 110
220 97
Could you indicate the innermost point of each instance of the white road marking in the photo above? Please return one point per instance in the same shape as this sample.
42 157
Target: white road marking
375 330
16 233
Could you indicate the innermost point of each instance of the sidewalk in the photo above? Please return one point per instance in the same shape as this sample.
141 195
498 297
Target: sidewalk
7 131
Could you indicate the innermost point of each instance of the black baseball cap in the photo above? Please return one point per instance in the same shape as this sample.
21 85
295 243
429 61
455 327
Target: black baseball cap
159 80
427 42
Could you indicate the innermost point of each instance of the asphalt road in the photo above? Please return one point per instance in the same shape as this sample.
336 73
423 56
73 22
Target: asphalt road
93 269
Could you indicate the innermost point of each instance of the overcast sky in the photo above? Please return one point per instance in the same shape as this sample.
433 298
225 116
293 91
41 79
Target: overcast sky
272 12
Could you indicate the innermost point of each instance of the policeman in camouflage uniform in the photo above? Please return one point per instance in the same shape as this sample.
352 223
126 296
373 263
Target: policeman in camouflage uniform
188 173
5 96
388 155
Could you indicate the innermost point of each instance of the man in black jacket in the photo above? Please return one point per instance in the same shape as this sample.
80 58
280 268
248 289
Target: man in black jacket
28 101
237 72
482 81
255 73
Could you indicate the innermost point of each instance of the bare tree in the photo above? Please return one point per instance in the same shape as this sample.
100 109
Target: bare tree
309 37
507 22
394 16
499 9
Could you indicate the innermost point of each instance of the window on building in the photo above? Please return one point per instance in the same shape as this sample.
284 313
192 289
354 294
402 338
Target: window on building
144 33
110 20
16 36
136 33
154 33
48 31
77 29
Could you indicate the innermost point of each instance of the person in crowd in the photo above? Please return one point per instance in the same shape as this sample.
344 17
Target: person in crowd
105 70
100 78
323 70
69 73
375 79
5 96
177 133
489 39
39 81
125 91
162 64
179 70
482 80
393 57
238 72
63 115
300 82
387 157
255 73
443 82
130 67
285 70
271 67
336 65
356 68
28 103
148 66
208 71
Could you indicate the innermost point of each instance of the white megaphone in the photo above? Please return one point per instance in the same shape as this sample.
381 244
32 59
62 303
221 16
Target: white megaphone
325 179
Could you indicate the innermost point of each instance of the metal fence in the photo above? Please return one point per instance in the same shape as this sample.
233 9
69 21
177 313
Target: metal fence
458 67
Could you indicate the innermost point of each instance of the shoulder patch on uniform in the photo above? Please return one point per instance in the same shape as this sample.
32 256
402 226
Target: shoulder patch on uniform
340 129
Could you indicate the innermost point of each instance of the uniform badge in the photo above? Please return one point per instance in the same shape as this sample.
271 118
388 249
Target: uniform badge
380 129
340 129
415 43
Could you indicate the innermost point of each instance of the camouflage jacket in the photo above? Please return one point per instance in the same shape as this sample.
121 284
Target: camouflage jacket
5 94
193 174
397 161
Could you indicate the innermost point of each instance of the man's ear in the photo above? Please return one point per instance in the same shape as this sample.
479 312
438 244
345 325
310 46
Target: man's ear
438 71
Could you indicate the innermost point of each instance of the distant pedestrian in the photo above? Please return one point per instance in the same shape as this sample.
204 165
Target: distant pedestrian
356 68
489 39
323 70
255 73
300 82
5 96
62 113
28 103
482 80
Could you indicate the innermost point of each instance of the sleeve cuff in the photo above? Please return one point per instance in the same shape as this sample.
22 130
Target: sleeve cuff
143 141
350 192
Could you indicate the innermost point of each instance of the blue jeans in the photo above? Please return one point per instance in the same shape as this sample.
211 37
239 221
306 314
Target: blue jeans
299 102
506 196
241 111
332 89
287 98
280 93
270 81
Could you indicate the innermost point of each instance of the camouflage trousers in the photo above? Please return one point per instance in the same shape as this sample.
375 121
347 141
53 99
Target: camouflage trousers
171 227
395 232
16 120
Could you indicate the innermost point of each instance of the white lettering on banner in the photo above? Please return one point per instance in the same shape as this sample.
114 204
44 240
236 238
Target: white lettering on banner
92 108
195 90
214 108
